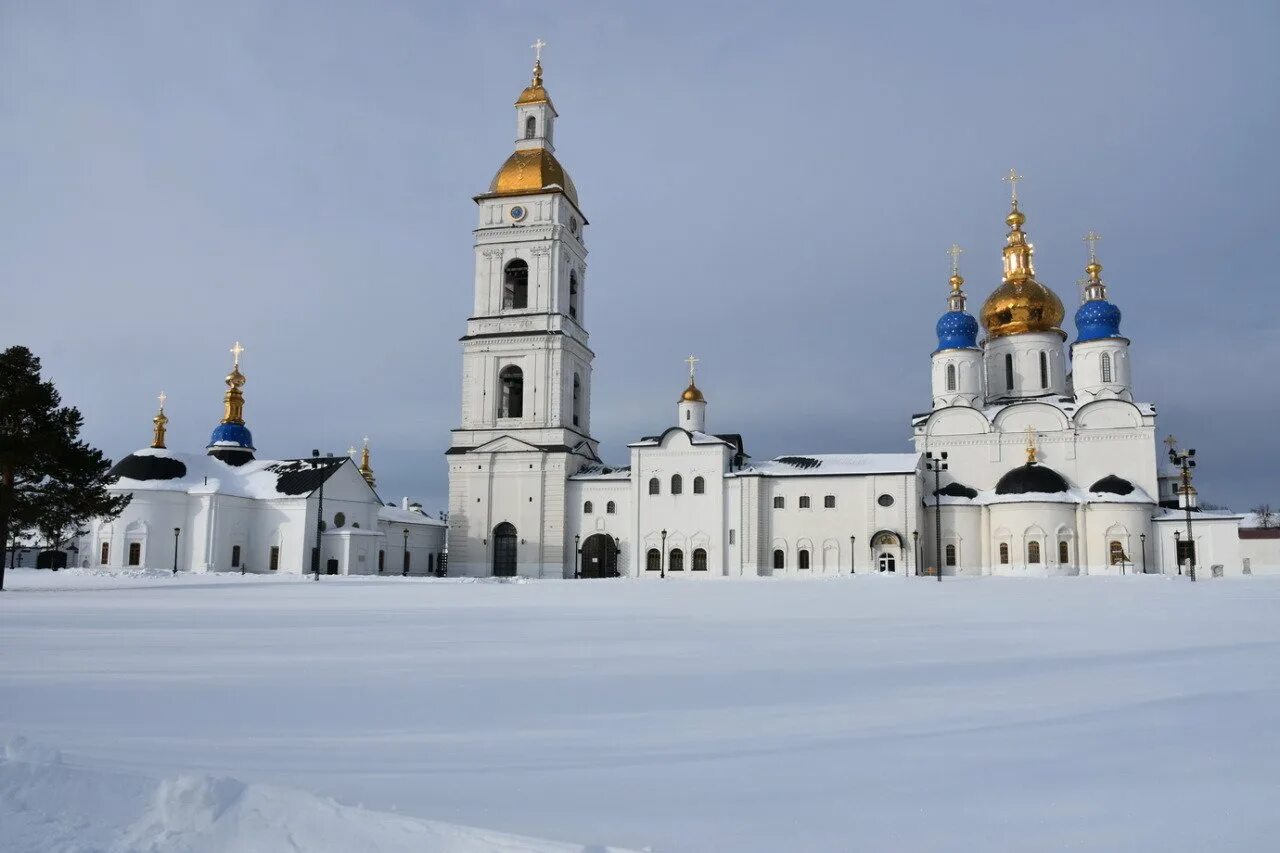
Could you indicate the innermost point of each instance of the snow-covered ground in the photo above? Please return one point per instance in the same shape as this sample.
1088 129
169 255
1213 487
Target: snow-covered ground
205 713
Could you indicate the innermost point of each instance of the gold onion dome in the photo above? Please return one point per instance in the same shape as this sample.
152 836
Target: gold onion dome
532 170
692 394
1021 304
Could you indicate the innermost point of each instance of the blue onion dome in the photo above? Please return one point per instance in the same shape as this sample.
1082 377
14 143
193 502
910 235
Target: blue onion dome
1096 318
957 330
231 435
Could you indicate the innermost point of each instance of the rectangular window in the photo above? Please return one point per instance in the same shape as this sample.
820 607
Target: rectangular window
829 502
779 502
274 560
804 501
731 540
1008 371
950 555
1004 553
1044 370
135 553
235 556
105 553
1186 550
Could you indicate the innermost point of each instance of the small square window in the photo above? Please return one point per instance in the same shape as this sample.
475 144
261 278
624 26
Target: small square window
829 502
779 502
804 501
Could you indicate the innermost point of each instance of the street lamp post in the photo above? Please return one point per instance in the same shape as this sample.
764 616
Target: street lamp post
937 465
1186 460
1143 538
577 555
915 548
315 559
176 531
1177 542
405 572
662 558
617 551
853 556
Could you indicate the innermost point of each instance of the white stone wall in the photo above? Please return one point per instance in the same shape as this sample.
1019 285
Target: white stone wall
969 385
1087 370
1025 351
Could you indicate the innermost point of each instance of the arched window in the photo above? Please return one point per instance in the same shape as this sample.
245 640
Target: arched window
699 486
530 127
950 554
577 399
804 501
1044 370
1064 552
105 553
573 294
951 377
653 560
587 508
804 558
779 559
779 502
655 487
511 398
699 560
1116 552
610 508
273 558
1004 553
677 484
1008 371
1033 552
235 556
515 285
677 561
135 554
1105 364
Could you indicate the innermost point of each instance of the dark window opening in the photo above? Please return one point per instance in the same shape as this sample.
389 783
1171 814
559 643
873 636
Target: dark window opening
779 559
235 556
511 402
515 285
135 553
804 558
950 555
699 560
677 561
655 487
699 485
653 560
530 127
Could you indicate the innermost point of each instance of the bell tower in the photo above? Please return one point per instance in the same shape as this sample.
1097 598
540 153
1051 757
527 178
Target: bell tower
526 364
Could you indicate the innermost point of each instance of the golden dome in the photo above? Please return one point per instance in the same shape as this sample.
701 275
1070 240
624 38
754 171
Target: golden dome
532 170
534 93
692 395
1021 304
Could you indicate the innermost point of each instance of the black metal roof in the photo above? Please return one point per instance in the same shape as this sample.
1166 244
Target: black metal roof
1111 484
957 490
1029 478
304 476
136 467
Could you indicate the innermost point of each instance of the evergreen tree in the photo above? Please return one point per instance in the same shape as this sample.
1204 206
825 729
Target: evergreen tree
49 479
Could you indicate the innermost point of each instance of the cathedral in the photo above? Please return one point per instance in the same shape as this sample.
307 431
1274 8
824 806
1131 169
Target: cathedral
226 510
1034 459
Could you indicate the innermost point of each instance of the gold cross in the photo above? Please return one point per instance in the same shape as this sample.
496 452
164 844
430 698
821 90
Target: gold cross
162 398
1171 441
692 360
236 351
1013 177
1031 445
537 49
1092 239
955 252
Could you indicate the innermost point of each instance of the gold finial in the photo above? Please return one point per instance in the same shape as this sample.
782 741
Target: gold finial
366 469
956 300
1092 238
160 421
233 400
537 46
351 451
1031 446
1095 289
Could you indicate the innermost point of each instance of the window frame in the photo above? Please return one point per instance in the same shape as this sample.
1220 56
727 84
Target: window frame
805 502
511 392
675 560
515 287
653 560
829 502
699 486
610 508
588 508
1064 552
677 484
803 559
135 554
1104 367
951 377
1033 553
779 559
655 486
1003 551
1008 371
779 502
1044 369
949 554
699 563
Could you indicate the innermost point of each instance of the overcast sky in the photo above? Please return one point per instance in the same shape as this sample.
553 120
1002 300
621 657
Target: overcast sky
773 188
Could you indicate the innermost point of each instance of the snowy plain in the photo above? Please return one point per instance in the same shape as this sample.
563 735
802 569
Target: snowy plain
222 712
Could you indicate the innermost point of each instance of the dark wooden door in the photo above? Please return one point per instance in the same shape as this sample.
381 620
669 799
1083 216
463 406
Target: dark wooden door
504 550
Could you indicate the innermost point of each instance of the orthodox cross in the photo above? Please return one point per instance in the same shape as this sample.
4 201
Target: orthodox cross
1031 445
236 351
955 252
1092 239
163 396
366 441
351 451
1013 177
692 361
1171 441
537 49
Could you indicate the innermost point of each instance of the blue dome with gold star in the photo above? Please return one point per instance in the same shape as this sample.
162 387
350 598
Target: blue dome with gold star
231 435
1097 319
957 330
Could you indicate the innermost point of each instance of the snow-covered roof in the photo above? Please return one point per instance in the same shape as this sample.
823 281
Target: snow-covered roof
396 515
832 464
695 437
159 470
603 472
1072 495
1197 516
1067 405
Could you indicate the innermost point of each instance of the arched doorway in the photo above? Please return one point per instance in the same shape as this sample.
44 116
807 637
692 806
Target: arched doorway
599 557
886 551
504 550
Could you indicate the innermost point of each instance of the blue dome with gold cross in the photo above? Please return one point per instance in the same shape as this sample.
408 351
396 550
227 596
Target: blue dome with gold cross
957 330
1097 318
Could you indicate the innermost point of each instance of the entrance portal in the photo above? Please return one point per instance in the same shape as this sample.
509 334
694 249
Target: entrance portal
504 550
599 557
888 563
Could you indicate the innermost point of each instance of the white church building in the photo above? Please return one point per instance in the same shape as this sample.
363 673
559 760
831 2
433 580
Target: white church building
224 510
1051 463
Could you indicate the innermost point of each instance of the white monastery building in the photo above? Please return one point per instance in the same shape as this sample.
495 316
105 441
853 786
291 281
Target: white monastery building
1047 462
225 510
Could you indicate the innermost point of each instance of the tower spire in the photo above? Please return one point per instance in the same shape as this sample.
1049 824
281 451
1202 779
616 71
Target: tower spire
366 469
956 301
233 400
1095 289
1017 253
231 440
160 421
